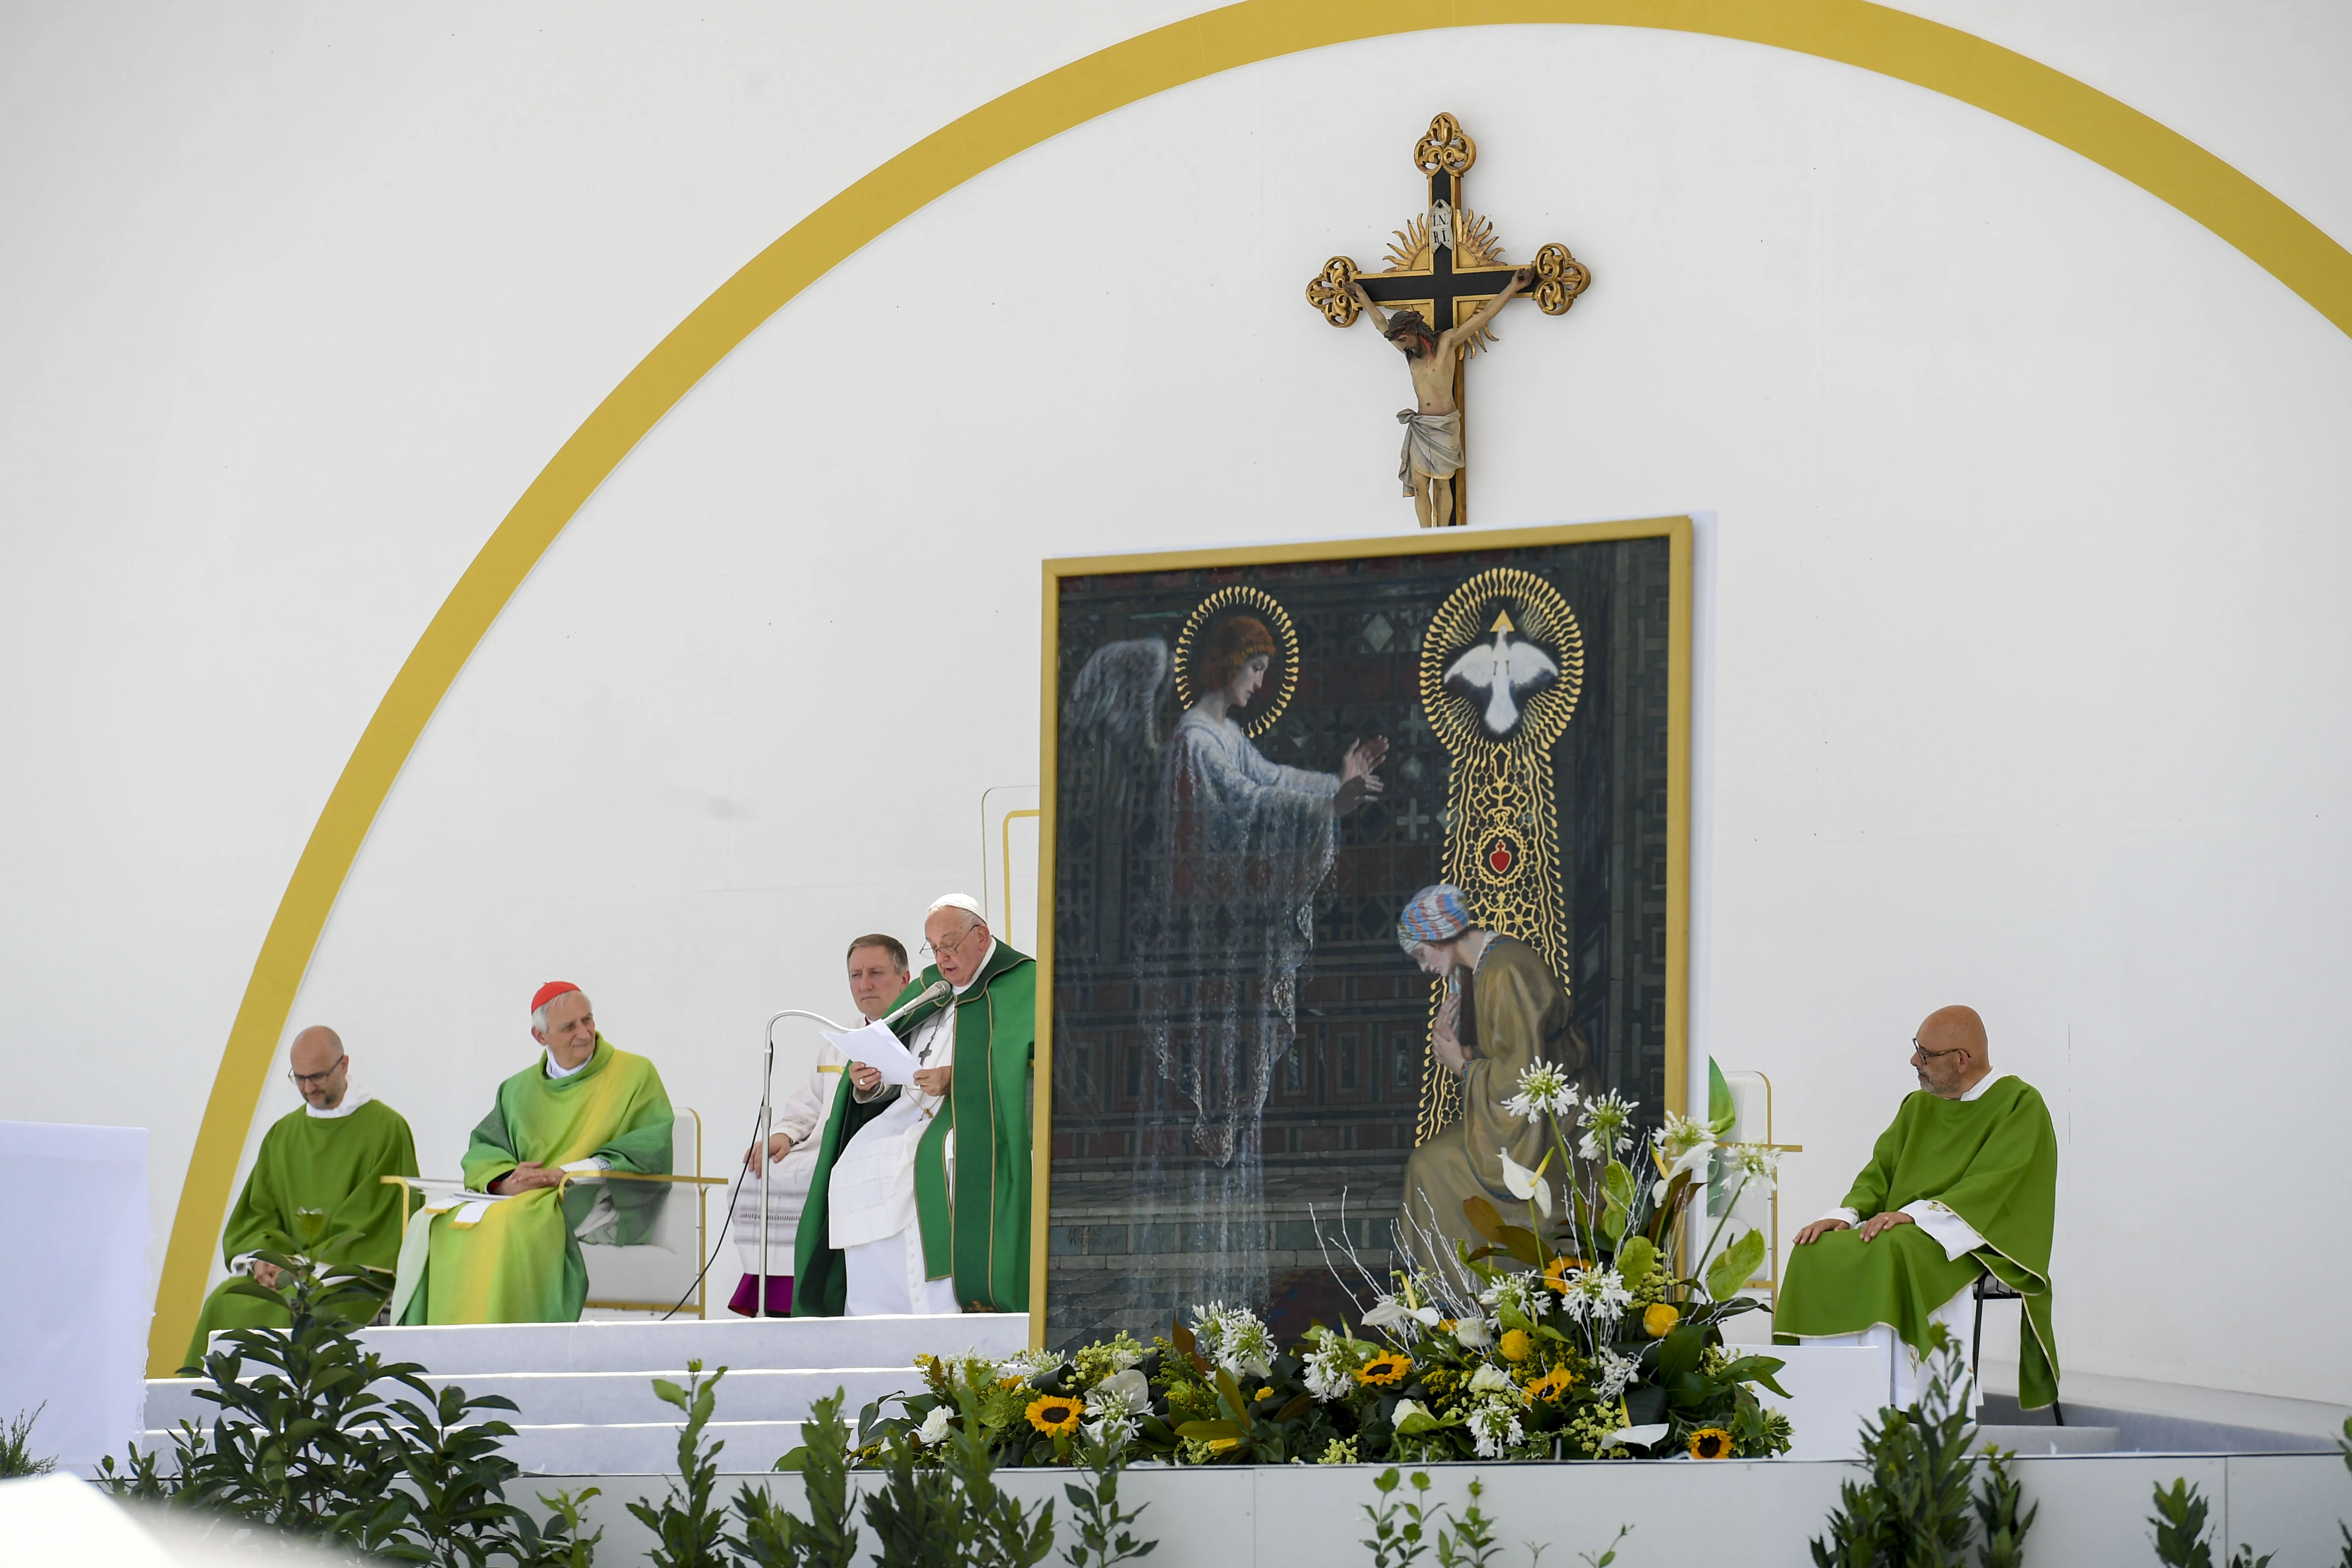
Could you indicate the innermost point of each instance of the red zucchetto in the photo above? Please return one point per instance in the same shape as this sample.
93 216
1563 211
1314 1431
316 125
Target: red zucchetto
550 992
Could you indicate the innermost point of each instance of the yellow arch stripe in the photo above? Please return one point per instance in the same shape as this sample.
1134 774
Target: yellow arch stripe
1872 37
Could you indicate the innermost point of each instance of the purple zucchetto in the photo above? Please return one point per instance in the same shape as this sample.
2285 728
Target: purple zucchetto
1437 913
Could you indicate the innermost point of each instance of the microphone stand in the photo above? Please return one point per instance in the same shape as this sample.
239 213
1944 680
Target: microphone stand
767 1131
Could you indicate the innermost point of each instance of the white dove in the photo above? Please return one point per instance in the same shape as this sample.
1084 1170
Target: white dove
1503 670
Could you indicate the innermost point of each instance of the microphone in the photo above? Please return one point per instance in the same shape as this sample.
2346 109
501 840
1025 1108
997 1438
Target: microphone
937 991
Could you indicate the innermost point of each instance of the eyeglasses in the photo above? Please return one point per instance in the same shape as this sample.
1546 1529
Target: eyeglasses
305 1079
1920 1054
952 942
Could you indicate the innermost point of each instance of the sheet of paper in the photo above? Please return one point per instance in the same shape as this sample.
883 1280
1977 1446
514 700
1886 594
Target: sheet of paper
878 1048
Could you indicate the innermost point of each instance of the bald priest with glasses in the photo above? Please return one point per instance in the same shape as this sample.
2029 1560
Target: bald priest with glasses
317 1179
919 1201
1964 1185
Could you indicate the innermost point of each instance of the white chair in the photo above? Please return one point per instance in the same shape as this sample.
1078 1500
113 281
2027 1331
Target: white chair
655 1274
1751 1104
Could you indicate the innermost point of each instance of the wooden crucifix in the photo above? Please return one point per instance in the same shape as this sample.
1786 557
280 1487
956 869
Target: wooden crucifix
1446 282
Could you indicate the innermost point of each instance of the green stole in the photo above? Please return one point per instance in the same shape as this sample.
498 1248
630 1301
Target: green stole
520 1262
323 1166
982 1234
1993 1161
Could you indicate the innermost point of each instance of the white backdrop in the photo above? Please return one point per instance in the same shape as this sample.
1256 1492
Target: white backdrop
2024 674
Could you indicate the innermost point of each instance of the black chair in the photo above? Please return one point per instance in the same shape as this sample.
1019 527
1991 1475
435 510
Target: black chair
1989 1288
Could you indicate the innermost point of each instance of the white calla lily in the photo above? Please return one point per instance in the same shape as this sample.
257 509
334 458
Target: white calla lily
1527 1184
1492 1379
1636 1436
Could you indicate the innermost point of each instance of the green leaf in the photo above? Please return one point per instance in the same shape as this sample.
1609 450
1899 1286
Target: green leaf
1483 1218
1207 1431
1756 1369
669 1393
1295 1409
1737 1265
1636 1259
1520 1243
1680 1350
1720 1110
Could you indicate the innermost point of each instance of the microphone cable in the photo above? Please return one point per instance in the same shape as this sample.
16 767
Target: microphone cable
726 1234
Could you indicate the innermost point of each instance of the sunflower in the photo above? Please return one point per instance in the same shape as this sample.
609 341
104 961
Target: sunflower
1056 1414
1658 1319
1517 1344
1551 1386
1710 1443
1383 1369
1556 1272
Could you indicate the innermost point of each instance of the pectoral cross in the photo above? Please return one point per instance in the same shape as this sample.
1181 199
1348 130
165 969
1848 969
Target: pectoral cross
1447 266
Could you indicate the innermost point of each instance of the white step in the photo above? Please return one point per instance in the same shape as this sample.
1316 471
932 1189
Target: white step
566 1398
2042 1440
584 1395
769 1343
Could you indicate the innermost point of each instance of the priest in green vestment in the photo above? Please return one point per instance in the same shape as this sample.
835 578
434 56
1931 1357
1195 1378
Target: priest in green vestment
317 1179
508 1250
920 1202
1963 1183
1504 1011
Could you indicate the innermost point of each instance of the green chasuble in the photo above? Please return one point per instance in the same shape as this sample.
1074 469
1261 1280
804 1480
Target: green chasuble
1993 1161
520 1262
980 1232
329 1164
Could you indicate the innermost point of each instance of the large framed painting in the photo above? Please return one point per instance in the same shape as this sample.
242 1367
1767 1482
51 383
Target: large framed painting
1254 758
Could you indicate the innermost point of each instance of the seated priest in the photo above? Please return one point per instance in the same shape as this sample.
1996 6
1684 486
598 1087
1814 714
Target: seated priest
920 1202
878 973
1963 1183
316 1184
1503 1012
507 1251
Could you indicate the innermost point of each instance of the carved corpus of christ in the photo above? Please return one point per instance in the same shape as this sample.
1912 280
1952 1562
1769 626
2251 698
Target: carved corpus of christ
1446 282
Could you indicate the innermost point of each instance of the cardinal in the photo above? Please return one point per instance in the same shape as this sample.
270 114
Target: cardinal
1503 671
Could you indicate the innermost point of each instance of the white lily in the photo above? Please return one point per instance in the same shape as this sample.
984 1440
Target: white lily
1411 1418
1388 1311
1492 1379
1636 1436
1129 1387
1527 1184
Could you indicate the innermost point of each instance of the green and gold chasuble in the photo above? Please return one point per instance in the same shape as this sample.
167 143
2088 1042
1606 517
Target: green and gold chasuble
980 1232
330 1166
1993 1161
520 1262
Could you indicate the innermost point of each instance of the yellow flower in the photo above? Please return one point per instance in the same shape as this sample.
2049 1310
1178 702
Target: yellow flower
1517 1344
1556 1272
1659 1319
1056 1414
1710 1443
1265 1393
1550 1386
1382 1369
1008 1383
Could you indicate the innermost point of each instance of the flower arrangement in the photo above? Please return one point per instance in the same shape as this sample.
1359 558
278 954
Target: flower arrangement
1568 1336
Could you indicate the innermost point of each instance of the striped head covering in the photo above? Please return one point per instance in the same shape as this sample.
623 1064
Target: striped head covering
1439 912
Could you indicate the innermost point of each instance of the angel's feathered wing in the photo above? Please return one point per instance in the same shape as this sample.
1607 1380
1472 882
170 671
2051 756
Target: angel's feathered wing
1119 696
